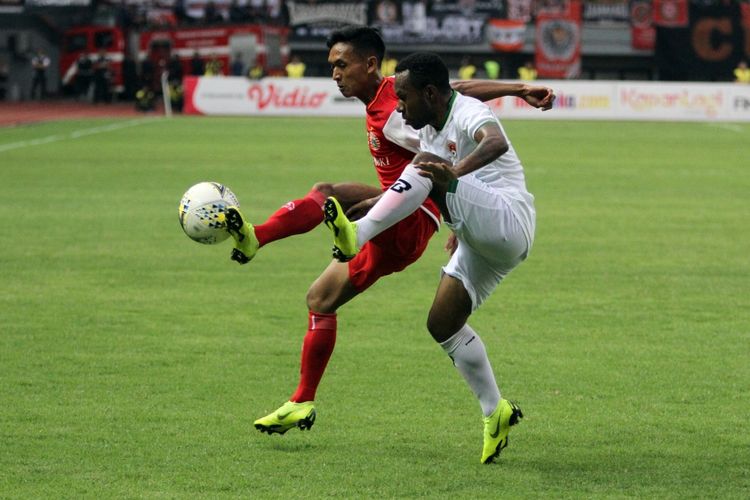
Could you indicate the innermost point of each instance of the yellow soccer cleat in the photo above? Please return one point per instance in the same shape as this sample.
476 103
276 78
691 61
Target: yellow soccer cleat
245 243
496 428
344 230
290 415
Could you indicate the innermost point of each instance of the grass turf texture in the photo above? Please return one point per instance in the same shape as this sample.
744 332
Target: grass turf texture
133 361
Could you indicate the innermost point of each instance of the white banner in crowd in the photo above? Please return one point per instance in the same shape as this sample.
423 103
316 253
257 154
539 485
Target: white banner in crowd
270 96
610 100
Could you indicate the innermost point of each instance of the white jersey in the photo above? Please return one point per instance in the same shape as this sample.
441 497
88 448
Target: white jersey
456 141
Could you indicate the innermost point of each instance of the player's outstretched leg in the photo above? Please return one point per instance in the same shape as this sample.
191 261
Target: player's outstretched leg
344 231
496 429
289 415
245 243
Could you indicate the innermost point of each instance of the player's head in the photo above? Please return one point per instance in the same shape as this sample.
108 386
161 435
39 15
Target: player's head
423 88
354 54
364 40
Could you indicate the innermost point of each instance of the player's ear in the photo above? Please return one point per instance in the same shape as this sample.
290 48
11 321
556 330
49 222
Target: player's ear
430 92
372 64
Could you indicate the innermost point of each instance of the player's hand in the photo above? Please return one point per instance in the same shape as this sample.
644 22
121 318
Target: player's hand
451 244
441 174
539 96
360 209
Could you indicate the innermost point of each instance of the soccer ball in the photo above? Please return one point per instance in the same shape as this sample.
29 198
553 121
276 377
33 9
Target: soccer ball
202 212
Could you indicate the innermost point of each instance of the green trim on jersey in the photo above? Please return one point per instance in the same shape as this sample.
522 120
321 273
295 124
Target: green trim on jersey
452 186
450 108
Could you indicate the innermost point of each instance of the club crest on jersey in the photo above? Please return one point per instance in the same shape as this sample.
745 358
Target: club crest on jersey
452 150
373 139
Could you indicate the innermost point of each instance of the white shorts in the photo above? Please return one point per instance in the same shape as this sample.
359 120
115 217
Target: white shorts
492 239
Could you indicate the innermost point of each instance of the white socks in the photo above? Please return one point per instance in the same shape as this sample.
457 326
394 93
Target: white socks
398 202
467 351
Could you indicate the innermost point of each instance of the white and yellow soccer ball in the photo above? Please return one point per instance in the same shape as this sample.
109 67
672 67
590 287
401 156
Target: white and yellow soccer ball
202 212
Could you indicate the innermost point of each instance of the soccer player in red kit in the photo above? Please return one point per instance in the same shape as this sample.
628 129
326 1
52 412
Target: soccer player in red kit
355 54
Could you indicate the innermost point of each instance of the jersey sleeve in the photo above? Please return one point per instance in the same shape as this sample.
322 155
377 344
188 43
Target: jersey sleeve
476 114
398 132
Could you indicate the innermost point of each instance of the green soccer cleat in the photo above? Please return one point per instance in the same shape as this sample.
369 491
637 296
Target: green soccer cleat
496 428
245 243
290 415
344 230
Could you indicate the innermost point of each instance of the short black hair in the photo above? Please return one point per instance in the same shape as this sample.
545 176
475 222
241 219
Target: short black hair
425 68
365 40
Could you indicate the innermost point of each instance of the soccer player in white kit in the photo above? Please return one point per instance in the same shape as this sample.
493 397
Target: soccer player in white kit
470 169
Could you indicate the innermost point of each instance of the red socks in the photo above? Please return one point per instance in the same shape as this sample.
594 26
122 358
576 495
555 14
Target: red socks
316 351
295 217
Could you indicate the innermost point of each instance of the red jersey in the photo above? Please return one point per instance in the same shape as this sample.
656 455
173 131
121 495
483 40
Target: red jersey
392 143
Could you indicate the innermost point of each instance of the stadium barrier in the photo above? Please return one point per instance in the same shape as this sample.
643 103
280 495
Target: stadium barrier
590 100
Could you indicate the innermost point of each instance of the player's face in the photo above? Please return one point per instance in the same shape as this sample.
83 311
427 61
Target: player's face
412 103
351 71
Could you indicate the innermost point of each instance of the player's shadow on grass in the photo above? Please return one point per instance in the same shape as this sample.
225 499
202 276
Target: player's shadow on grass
287 445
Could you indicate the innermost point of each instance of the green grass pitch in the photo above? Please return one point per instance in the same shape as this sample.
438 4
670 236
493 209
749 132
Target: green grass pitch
133 361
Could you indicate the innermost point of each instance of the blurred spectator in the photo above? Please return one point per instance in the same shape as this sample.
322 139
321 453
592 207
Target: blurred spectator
124 16
527 72
742 73
211 14
214 67
237 13
102 78
282 18
84 75
196 65
295 68
129 78
258 11
147 72
174 67
256 72
388 65
180 13
4 72
237 67
467 69
139 16
176 95
40 62
492 68
277 12
145 99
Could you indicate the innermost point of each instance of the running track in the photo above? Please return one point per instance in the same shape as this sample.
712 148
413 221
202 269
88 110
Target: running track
22 113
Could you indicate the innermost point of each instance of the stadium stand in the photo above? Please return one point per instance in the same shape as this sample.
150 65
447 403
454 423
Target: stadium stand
694 40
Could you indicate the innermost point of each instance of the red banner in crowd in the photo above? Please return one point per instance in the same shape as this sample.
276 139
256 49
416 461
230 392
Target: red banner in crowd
506 35
671 13
519 10
643 33
745 11
558 41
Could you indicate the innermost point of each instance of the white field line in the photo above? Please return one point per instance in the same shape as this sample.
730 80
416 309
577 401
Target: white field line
728 126
76 134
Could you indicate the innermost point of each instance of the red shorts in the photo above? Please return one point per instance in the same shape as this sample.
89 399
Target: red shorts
392 250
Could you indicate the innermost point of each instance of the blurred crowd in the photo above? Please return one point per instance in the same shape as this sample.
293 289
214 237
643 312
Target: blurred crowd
154 14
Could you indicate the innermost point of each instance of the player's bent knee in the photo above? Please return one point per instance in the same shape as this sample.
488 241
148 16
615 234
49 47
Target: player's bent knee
324 187
319 302
440 328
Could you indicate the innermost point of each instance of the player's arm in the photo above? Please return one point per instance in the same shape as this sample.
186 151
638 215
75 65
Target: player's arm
491 145
485 90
